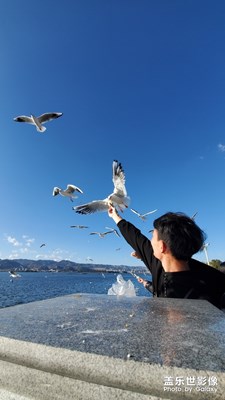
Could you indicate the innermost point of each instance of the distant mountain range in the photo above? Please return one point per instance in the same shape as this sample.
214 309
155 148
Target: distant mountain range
24 265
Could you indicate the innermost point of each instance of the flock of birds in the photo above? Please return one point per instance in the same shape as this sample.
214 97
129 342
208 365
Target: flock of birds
118 198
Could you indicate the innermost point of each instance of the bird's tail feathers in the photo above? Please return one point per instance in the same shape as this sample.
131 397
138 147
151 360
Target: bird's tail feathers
41 129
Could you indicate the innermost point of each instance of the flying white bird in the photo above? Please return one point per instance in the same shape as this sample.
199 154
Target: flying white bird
78 226
67 192
113 230
38 121
118 198
14 275
101 234
142 216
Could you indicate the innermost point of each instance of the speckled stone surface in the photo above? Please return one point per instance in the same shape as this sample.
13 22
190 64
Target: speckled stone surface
169 332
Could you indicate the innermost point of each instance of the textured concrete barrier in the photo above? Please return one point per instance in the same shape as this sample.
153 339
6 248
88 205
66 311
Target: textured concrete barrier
96 347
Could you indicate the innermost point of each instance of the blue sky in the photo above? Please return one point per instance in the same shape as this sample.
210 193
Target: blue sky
142 82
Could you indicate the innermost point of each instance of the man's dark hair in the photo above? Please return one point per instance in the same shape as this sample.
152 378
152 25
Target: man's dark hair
180 233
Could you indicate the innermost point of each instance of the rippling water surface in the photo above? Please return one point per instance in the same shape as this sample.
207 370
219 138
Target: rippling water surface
33 286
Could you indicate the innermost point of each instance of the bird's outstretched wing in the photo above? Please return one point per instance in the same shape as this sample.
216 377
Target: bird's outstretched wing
92 207
72 188
106 233
113 230
23 118
150 212
48 117
135 212
118 179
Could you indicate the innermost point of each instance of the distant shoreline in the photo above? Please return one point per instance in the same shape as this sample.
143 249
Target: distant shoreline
25 265
119 271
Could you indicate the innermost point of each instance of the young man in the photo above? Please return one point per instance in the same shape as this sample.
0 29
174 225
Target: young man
168 256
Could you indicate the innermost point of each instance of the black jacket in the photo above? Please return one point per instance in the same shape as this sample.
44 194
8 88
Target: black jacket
200 282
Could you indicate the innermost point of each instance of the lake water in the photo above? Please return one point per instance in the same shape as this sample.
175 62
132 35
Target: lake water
34 286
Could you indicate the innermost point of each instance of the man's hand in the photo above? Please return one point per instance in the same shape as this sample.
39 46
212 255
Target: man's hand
135 255
112 213
143 281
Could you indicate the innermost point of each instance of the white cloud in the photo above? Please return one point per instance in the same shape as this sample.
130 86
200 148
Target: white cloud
29 242
13 255
24 250
221 147
23 247
56 255
13 241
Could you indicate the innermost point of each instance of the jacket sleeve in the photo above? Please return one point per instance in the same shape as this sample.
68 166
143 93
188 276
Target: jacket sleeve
149 286
140 243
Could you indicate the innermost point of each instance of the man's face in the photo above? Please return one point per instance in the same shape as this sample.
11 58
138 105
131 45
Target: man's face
157 244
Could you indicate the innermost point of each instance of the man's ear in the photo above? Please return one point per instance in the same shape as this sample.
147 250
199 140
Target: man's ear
164 247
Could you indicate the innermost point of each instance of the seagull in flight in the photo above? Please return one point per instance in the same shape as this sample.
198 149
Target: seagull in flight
14 275
113 230
78 226
38 121
117 199
101 234
142 216
67 192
